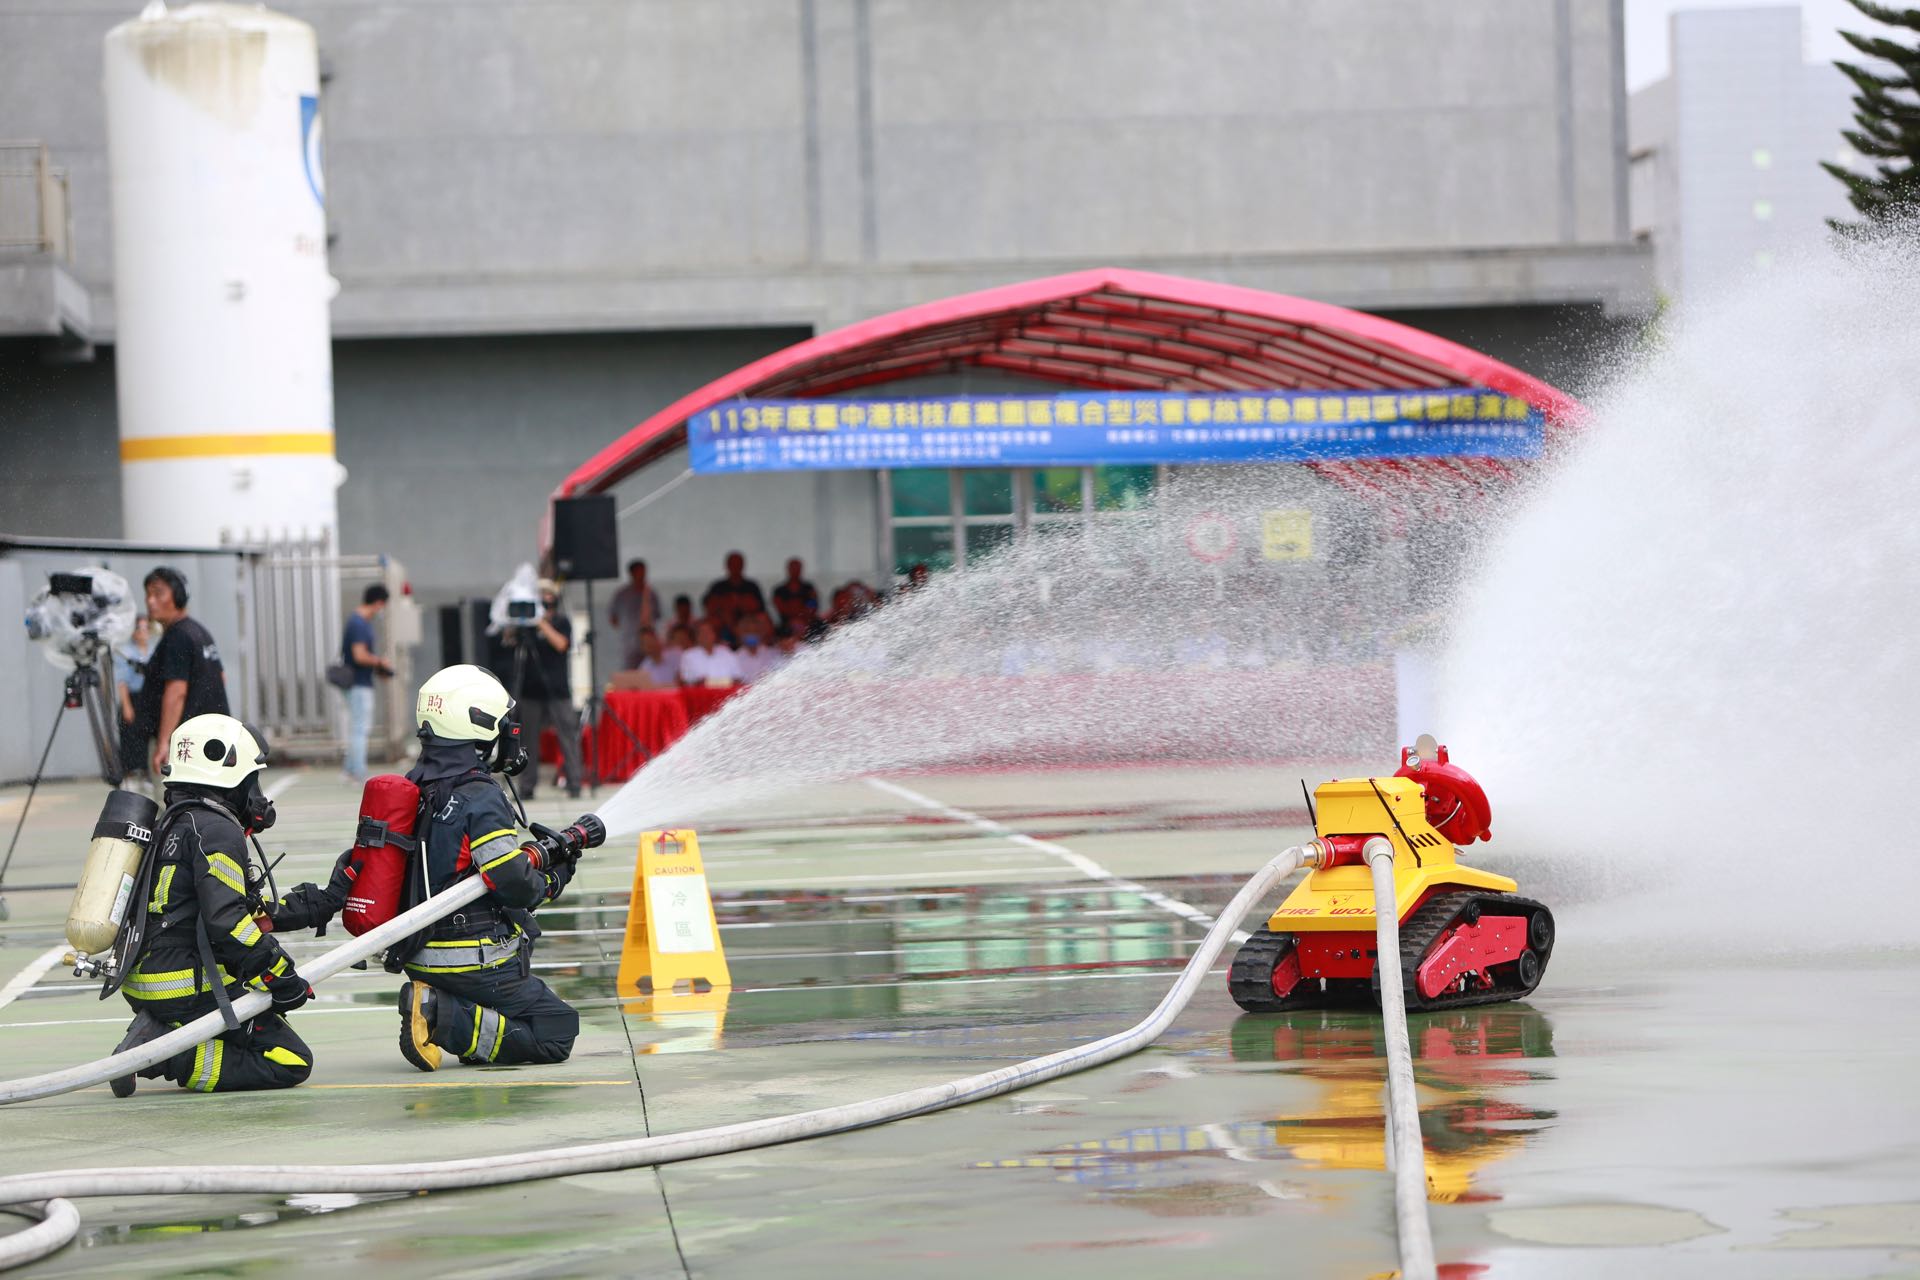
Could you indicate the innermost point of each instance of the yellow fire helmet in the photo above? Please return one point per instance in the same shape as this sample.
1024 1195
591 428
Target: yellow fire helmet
463 703
214 751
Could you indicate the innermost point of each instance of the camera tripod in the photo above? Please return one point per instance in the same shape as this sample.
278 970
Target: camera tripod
87 692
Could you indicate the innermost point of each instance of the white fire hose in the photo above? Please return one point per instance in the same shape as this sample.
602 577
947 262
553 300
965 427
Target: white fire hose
46 1195
1406 1153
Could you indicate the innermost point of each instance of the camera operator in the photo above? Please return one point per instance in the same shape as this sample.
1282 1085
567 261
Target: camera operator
546 690
184 676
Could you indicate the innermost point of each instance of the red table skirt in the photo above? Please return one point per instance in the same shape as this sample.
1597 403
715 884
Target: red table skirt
658 718
1298 713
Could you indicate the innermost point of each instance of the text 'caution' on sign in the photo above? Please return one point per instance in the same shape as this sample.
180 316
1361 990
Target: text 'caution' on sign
672 937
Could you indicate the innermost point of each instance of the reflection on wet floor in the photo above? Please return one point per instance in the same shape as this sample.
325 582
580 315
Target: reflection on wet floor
1464 1058
841 940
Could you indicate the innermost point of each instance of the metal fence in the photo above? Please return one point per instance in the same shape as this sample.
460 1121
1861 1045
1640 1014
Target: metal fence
34 213
295 594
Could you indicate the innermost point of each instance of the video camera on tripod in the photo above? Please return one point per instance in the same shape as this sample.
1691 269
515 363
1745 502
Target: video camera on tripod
78 621
517 604
81 616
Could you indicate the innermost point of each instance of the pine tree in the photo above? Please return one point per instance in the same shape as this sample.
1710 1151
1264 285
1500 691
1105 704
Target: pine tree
1887 121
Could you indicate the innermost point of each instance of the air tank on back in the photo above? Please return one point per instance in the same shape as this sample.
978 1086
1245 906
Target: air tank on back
104 895
221 289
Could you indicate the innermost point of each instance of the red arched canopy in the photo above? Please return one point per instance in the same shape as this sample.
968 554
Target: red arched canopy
1109 329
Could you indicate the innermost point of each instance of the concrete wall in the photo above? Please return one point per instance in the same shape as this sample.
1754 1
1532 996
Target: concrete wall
628 164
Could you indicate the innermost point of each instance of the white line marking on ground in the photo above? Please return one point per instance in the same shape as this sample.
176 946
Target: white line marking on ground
1085 865
24 979
386 1010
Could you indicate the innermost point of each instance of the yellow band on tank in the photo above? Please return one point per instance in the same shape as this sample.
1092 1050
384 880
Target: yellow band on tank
155 448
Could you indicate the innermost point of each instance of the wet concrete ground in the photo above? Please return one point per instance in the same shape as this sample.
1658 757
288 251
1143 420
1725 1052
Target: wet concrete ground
1641 1115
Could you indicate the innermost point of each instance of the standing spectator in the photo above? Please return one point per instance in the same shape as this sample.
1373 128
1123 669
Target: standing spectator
130 673
661 671
636 608
682 617
356 651
546 688
796 601
709 662
184 676
733 596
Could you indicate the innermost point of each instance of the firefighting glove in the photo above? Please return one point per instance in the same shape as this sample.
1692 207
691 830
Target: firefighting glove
340 884
289 992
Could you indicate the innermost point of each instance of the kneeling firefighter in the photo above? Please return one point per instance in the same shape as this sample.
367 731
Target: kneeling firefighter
201 941
471 991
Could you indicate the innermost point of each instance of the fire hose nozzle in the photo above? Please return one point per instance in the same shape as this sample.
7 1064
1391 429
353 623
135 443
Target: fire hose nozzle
593 832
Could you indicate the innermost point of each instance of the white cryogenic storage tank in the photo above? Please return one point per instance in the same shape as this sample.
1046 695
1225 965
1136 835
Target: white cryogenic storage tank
220 277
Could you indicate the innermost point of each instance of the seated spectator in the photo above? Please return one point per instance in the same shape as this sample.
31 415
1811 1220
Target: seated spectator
679 640
806 625
682 617
755 657
755 651
842 607
784 650
730 597
709 662
661 671
796 602
852 601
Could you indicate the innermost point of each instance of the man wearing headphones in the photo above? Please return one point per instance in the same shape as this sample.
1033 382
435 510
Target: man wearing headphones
184 675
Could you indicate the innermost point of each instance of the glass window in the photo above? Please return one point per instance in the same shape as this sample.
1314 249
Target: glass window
1122 488
1056 489
921 493
931 545
984 539
987 493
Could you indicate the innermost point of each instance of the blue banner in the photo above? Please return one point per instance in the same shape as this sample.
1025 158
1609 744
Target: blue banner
1087 429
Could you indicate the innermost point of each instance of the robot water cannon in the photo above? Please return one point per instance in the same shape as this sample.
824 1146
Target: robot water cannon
1466 937
1457 805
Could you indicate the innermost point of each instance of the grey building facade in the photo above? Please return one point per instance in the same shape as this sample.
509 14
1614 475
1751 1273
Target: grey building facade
1725 171
551 219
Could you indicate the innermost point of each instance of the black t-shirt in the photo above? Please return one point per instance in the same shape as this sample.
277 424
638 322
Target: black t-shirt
786 596
738 592
186 652
546 675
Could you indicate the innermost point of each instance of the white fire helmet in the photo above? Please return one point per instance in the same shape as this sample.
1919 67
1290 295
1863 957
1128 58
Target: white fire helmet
464 703
214 751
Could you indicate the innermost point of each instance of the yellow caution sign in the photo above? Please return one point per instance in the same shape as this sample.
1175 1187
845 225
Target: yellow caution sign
672 936
1286 535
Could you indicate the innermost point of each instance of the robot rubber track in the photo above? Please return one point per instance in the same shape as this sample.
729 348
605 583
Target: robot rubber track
1250 979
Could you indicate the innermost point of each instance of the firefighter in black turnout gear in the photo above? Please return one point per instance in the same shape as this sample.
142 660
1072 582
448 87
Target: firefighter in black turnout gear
470 989
201 944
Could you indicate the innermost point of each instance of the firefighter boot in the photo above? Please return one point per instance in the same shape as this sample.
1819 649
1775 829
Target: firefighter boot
143 1028
416 1024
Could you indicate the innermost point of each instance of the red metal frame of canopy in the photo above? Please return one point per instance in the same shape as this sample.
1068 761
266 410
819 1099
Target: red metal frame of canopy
1111 329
